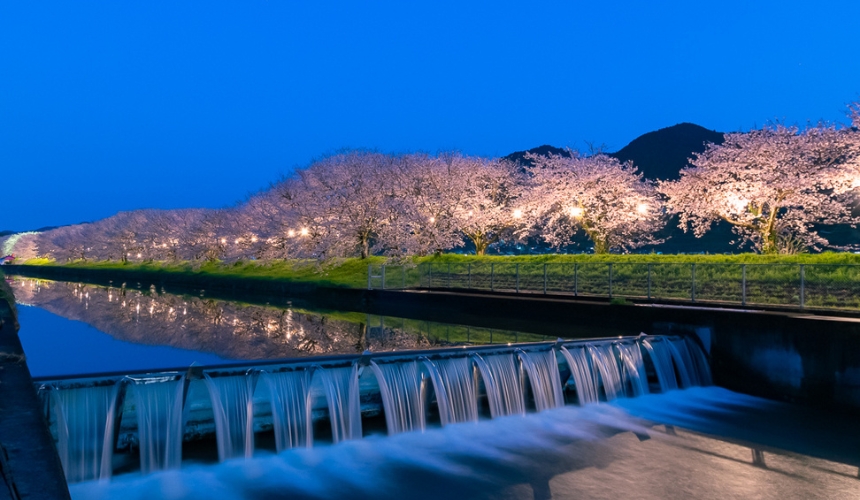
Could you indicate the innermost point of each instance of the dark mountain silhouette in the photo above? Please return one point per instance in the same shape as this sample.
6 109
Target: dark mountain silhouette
663 153
6 233
520 156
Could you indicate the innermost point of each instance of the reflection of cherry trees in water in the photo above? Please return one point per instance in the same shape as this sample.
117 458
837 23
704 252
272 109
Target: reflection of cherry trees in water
228 329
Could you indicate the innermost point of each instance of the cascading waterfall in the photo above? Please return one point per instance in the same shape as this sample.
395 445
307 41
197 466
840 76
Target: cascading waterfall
503 383
159 407
700 363
341 391
85 416
456 395
400 387
85 430
233 411
607 368
662 359
633 368
687 369
580 370
545 381
291 410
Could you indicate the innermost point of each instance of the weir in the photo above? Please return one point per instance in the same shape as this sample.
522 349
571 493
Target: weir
97 417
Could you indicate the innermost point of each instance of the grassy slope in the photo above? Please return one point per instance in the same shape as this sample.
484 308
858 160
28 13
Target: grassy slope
353 272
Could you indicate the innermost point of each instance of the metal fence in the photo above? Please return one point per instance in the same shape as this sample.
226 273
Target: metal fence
801 286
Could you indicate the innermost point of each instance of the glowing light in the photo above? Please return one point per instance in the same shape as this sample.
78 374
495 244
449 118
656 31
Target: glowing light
575 211
253 239
432 219
138 256
304 231
518 214
737 204
223 241
238 240
642 208
291 233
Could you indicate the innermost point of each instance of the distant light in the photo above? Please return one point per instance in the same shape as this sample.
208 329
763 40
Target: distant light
304 231
138 256
291 233
518 213
238 240
575 211
253 239
223 241
642 208
432 219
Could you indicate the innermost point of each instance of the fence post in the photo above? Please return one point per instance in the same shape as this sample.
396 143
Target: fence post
575 279
544 279
518 277
693 282
492 276
649 281
802 286
383 276
449 275
369 274
404 277
610 280
470 274
743 284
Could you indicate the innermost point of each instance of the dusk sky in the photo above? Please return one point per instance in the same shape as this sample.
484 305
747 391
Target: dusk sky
109 106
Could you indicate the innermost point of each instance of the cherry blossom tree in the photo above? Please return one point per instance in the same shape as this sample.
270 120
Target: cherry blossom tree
773 185
608 200
342 204
490 208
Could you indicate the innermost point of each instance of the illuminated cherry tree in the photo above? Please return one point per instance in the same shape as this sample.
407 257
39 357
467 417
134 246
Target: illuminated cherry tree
342 204
606 199
772 185
491 205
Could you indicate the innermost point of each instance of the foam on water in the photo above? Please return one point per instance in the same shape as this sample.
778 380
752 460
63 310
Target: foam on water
469 460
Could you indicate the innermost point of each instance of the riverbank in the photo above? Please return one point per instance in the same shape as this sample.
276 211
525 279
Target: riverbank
352 272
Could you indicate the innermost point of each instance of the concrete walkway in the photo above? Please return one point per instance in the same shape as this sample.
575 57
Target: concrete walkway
29 464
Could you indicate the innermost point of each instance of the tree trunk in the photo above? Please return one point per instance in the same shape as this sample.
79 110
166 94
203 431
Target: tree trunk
365 248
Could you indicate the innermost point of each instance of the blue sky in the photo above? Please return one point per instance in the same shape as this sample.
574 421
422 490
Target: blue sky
108 106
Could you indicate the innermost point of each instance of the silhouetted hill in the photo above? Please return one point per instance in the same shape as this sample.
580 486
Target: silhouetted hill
6 233
663 153
520 156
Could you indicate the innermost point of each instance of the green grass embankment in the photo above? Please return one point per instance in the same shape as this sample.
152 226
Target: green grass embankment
353 272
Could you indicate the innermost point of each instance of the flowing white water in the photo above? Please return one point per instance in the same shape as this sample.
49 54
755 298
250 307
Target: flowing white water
683 363
545 381
341 392
580 371
603 357
400 386
85 416
159 408
700 362
662 360
291 411
233 410
633 368
456 395
85 430
503 384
